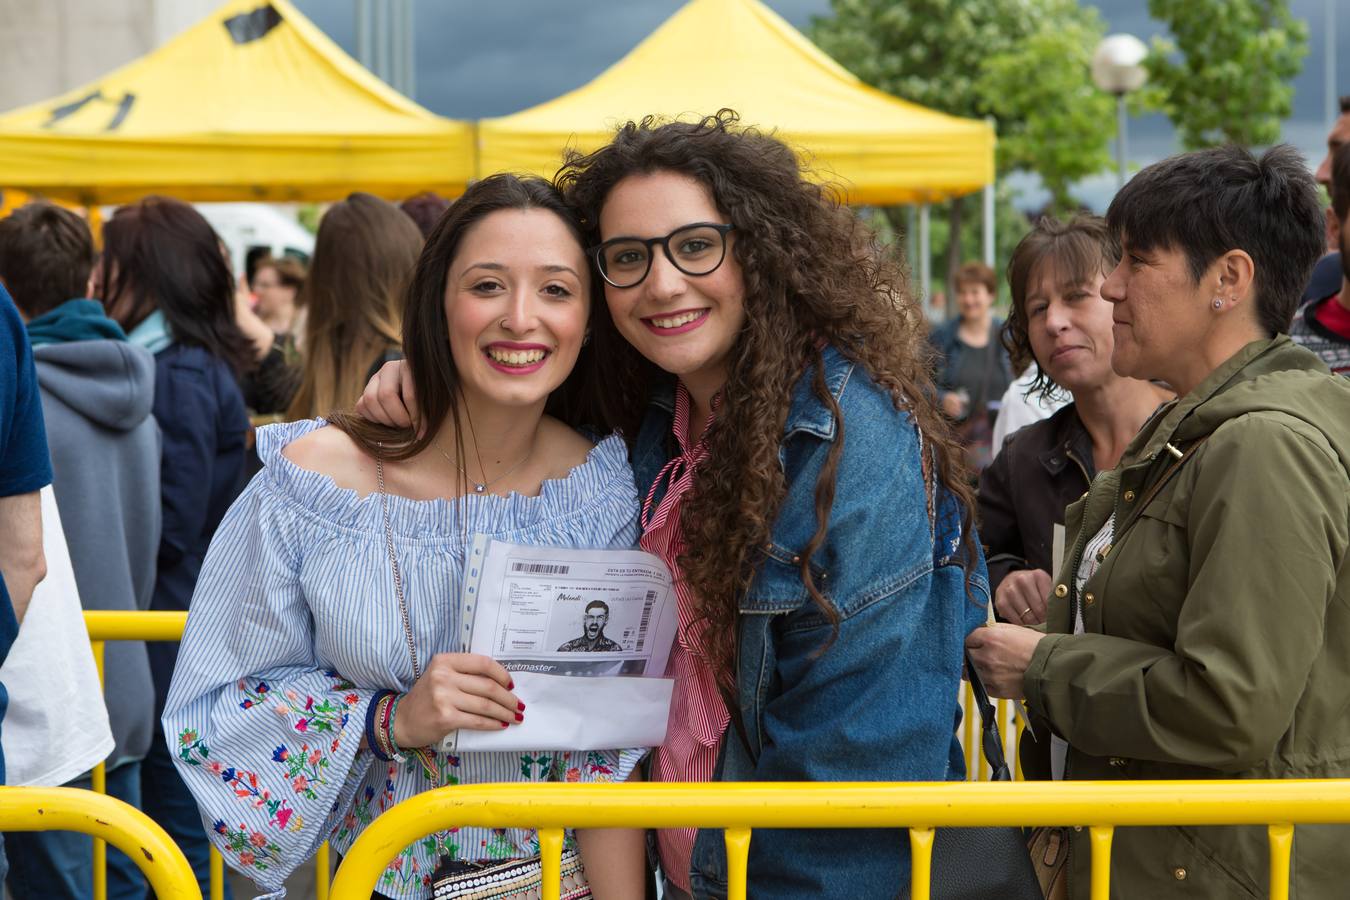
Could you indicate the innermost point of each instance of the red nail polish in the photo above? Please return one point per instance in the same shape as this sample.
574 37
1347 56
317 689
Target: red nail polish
520 717
520 706
506 724
511 685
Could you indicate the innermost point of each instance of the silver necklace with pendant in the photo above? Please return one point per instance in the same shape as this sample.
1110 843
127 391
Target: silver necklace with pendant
480 487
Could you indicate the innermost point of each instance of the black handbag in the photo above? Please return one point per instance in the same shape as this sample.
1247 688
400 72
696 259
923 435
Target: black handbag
982 863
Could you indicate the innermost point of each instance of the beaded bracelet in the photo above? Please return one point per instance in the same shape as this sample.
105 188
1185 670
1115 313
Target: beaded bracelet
373 711
380 712
389 733
384 727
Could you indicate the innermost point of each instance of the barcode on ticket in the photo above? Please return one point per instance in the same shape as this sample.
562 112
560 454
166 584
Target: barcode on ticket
540 568
646 618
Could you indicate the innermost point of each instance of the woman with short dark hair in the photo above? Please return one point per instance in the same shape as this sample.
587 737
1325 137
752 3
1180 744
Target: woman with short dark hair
973 369
1198 625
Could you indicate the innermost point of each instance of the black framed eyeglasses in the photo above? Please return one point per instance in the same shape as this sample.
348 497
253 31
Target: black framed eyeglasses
696 249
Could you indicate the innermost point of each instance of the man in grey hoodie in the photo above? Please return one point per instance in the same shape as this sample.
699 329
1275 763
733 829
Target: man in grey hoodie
97 390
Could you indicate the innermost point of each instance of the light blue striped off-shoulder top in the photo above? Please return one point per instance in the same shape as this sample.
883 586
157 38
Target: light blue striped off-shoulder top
293 627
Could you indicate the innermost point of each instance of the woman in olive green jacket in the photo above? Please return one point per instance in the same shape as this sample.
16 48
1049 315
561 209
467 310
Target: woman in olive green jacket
1200 624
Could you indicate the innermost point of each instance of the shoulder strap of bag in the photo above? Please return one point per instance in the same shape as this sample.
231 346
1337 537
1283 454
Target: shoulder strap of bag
991 742
1159 485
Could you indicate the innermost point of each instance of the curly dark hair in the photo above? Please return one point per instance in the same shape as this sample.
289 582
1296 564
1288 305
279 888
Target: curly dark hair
813 275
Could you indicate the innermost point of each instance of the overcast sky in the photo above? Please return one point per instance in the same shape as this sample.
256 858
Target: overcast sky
489 59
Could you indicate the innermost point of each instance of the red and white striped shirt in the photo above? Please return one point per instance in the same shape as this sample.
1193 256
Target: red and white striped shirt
698 717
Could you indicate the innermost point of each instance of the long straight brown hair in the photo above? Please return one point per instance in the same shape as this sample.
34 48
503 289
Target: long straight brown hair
353 297
160 254
426 341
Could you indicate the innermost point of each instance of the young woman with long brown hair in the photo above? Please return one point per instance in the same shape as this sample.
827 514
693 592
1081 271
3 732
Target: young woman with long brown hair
353 300
765 363
316 667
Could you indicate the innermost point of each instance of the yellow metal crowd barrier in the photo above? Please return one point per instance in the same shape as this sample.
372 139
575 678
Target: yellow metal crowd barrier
109 820
159 626
168 626
739 808
735 808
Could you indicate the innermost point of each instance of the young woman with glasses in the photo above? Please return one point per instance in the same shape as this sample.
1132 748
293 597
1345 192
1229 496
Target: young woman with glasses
764 361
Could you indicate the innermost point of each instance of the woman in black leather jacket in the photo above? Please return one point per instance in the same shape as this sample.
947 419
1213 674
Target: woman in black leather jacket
1060 320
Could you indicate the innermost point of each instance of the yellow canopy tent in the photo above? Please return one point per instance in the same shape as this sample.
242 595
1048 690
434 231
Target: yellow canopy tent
252 103
740 54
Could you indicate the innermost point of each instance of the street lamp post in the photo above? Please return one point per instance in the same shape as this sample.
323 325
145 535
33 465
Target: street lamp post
1117 68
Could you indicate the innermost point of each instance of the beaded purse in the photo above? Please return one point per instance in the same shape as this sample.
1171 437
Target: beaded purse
517 879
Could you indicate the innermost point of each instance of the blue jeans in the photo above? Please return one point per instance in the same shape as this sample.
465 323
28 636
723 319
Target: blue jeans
56 864
167 800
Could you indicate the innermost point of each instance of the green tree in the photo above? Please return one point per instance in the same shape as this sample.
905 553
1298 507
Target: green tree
1010 226
1225 73
1022 62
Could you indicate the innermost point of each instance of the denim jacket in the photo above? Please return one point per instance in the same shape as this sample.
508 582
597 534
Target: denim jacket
877 704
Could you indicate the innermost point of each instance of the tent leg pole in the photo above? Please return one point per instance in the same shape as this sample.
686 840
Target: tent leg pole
912 240
989 225
925 256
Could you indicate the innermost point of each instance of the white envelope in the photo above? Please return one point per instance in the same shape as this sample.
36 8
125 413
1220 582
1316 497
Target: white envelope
566 713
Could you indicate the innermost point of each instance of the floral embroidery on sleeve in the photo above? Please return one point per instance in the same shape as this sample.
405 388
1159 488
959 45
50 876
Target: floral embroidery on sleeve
245 784
304 768
254 849
308 765
360 813
324 715
317 716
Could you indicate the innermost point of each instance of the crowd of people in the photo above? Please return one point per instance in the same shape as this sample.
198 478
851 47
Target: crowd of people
684 344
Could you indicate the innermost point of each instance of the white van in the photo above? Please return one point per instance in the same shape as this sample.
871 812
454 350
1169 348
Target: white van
253 230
